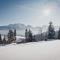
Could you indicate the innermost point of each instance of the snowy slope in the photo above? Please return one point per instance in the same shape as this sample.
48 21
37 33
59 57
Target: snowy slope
49 50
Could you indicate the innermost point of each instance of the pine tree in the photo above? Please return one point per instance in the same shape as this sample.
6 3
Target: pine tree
10 36
0 39
59 33
26 35
30 37
51 32
4 40
15 32
34 40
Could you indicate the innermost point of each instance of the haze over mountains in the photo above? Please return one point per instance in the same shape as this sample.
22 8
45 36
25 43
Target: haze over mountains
17 26
21 28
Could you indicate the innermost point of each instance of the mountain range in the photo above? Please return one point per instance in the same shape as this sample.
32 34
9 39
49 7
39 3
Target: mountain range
21 28
17 26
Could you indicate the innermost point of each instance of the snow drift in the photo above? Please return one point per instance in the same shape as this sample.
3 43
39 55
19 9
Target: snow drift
49 50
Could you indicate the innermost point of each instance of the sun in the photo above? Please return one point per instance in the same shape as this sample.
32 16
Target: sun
47 11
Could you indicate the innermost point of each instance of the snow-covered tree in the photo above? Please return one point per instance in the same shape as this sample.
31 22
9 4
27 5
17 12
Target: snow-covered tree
28 35
51 32
10 36
4 40
0 39
59 33
15 34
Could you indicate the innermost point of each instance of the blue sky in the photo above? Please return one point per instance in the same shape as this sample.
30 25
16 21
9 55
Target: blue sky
30 12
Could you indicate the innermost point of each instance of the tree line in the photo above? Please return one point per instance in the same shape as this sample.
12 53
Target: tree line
49 34
29 37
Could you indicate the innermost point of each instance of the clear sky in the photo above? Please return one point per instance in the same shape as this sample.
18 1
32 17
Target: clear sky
29 12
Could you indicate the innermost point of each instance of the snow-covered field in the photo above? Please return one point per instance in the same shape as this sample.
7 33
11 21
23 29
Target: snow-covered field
49 50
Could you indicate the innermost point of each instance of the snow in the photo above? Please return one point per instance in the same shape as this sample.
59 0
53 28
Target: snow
19 39
49 50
